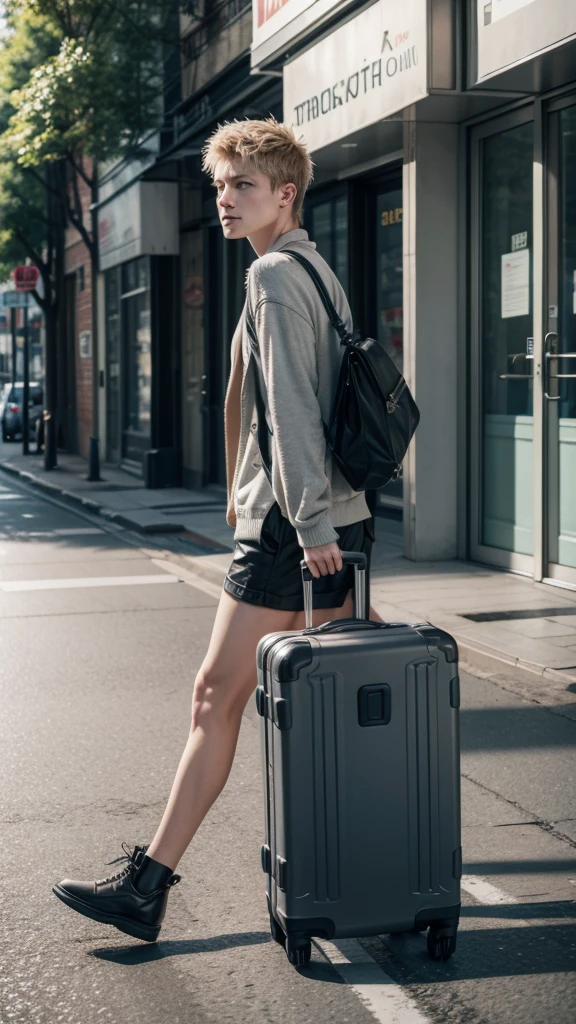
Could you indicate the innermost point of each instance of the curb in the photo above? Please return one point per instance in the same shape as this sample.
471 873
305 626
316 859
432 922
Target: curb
487 659
100 510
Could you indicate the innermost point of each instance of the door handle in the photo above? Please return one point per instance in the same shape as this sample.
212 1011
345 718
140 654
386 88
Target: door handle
556 376
550 341
517 376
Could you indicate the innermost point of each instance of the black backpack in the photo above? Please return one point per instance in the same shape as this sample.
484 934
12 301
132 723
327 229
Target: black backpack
373 415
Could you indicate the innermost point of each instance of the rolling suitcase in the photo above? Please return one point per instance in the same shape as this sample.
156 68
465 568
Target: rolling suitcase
361 773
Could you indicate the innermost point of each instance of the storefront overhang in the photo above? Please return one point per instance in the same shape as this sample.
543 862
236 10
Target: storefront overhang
394 62
141 221
283 25
527 46
370 68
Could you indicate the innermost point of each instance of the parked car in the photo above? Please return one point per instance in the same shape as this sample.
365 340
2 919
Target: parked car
4 392
12 412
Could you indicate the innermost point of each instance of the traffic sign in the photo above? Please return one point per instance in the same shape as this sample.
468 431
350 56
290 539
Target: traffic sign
15 300
25 278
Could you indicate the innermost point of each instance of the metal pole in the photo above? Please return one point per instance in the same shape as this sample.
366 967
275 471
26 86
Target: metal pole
26 393
14 345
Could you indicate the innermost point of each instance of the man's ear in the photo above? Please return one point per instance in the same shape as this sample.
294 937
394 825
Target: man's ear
288 193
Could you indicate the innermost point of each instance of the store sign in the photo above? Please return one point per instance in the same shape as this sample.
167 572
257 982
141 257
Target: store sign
85 344
284 19
512 31
370 68
494 10
141 221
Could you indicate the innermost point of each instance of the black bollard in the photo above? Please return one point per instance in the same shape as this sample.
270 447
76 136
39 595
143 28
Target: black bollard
93 462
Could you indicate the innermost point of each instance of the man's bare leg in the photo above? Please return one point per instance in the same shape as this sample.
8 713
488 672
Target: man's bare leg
222 688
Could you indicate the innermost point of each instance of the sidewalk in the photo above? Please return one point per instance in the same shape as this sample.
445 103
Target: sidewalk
508 628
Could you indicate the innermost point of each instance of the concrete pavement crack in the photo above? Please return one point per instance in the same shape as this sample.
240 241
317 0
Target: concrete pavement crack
546 826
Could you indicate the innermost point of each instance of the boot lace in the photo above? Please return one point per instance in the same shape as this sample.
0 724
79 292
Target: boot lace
130 856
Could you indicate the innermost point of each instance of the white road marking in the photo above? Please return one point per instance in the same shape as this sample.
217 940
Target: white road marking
77 531
385 999
11 497
484 891
80 531
86 581
189 577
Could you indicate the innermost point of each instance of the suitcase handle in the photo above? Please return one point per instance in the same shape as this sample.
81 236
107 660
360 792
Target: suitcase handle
346 625
360 562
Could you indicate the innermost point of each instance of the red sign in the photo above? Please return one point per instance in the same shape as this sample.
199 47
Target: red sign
25 278
266 8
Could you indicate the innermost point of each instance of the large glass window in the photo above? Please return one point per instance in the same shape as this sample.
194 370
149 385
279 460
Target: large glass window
506 340
138 345
386 266
389 273
329 229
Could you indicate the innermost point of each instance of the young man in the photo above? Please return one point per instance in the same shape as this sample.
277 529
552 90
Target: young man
261 173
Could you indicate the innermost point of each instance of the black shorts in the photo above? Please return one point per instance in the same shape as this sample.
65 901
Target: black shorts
267 571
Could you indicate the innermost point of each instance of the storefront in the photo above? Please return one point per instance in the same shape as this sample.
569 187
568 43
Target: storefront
523 295
443 137
138 256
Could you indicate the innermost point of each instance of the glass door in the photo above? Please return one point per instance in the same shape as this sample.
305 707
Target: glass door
559 356
502 392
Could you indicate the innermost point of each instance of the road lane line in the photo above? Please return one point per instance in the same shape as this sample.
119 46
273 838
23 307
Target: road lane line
77 531
386 1000
189 577
89 531
81 582
484 891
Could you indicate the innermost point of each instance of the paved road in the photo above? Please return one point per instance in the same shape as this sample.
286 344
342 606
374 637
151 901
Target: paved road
95 686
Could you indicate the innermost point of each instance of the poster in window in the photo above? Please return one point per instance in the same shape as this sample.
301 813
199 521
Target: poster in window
515 283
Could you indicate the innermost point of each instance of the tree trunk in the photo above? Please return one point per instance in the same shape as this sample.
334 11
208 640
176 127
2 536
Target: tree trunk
54 309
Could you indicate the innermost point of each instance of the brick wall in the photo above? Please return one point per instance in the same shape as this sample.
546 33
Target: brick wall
77 262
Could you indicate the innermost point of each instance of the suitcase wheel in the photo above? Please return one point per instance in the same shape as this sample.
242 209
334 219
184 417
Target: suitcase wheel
298 951
276 932
440 947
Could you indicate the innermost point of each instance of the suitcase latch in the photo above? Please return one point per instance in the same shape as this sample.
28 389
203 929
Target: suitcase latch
374 704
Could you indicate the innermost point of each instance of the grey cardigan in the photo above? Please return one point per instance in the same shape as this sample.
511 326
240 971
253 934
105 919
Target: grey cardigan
300 355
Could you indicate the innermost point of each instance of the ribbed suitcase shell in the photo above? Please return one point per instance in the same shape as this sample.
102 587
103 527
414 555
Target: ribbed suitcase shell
362 820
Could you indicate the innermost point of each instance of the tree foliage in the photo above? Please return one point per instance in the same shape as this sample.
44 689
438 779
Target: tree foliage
101 92
78 78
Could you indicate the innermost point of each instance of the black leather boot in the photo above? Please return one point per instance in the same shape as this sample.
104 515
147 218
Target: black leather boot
134 900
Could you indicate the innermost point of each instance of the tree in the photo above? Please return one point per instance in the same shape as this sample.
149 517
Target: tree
93 98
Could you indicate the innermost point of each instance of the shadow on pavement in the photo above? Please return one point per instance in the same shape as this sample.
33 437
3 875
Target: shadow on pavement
525 911
132 955
514 867
513 729
481 953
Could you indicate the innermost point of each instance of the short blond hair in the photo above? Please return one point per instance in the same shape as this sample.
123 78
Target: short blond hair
269 146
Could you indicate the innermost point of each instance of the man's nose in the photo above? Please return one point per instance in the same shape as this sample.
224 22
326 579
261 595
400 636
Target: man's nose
226 198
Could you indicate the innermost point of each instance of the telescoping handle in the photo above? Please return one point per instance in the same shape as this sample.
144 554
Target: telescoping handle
356 558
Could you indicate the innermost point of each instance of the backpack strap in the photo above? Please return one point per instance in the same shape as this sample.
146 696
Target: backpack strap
263 428
335 320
